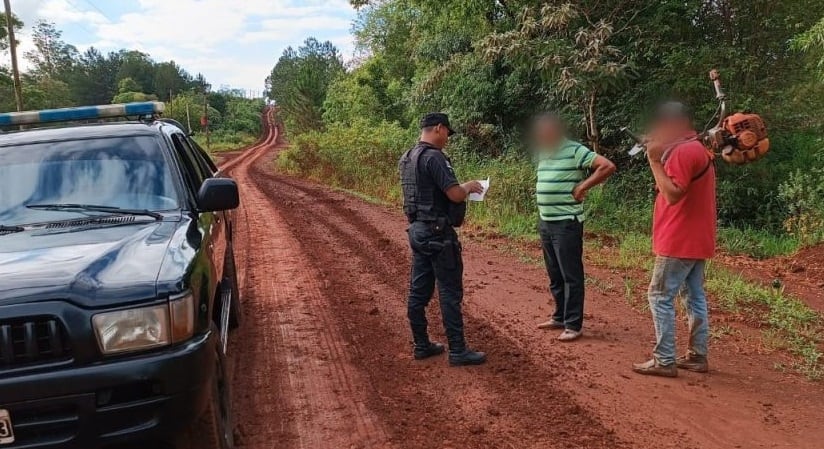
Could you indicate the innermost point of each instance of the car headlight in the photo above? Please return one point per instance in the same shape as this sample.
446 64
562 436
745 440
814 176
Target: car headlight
145 327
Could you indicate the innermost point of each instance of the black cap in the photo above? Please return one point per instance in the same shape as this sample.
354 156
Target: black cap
436 118
672 110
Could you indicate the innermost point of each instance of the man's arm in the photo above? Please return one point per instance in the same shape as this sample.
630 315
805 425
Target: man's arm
602 169
445 179
669 189
459 193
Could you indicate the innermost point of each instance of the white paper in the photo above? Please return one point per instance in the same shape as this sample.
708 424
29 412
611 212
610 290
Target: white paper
480 196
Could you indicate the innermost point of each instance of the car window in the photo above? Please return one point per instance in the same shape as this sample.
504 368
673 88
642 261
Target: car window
194 172
124 172
204 156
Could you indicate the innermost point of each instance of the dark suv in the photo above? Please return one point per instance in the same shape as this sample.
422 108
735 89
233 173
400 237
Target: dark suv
117 285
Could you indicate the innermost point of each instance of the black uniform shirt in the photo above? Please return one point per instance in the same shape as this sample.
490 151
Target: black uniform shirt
437 170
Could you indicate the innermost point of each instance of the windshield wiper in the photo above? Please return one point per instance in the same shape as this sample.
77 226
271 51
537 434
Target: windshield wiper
9 229
95 208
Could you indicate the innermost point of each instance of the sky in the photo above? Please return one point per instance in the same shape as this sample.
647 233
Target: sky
232 42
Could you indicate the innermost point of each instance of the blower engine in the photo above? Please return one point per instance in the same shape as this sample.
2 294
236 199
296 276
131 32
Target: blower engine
738 138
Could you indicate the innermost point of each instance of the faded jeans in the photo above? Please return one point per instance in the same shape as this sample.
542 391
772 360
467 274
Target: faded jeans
668 276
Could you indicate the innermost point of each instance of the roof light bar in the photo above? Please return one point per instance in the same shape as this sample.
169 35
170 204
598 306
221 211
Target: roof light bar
81 113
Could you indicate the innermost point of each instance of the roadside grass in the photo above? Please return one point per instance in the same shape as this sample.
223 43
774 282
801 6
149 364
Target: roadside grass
756 243
793 326
220 142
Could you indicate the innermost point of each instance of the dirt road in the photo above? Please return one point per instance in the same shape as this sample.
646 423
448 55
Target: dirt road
323 359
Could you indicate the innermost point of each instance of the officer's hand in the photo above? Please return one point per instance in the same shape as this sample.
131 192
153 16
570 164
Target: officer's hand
473 187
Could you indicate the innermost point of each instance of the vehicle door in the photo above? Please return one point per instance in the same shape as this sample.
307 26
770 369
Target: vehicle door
209 263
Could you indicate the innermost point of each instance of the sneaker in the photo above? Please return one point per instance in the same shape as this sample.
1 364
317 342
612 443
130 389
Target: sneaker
569 335
466 357
693 362
551 324
653 368
431 350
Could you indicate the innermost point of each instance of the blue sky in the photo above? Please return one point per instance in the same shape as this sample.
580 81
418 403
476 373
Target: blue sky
232 42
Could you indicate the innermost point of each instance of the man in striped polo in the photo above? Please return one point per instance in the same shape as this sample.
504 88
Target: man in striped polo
566 172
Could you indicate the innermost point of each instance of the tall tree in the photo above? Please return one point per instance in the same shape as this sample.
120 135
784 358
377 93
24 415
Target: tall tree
169 79
4 37
52 57
300 79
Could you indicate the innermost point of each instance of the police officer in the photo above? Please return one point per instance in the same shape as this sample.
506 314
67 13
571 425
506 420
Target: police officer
435 203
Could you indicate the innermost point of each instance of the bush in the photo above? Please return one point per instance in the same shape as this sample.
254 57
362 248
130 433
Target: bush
803 195
361 157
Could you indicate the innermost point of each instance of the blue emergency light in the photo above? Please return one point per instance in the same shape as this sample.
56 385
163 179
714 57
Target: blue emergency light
82 113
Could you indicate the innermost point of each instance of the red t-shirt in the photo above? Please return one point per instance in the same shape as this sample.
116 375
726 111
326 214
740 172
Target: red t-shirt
686 229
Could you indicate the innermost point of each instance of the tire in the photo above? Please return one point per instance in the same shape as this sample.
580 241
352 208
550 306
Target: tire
235 311
214 429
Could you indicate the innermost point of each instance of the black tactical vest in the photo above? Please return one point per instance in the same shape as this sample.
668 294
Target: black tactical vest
419 203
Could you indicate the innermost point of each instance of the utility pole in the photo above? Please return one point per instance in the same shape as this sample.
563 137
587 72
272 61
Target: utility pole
206 88
18 93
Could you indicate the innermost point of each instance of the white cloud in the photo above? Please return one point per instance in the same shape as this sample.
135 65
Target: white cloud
231 41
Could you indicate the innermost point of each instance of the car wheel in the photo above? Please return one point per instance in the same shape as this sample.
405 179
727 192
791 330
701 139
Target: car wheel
214 428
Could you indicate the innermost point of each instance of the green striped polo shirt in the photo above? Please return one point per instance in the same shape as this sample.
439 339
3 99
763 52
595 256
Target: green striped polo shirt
558 174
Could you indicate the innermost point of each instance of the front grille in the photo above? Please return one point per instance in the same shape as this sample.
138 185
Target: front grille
32 341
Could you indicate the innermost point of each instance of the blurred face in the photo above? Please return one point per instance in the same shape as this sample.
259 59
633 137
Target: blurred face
547 133
669 129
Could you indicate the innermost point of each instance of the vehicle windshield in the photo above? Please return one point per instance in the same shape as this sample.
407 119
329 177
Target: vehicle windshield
116 172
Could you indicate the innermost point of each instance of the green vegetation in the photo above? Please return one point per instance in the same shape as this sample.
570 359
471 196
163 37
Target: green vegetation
793 326
602 64
491 65
60 76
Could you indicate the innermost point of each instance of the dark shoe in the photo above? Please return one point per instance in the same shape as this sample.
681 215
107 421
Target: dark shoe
653 368
693 362
466 357
431 350
569 335
551 325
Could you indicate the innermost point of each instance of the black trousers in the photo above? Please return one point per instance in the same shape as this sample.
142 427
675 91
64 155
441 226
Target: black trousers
436 256
563 245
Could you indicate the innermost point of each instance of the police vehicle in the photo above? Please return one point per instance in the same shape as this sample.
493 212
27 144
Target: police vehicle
117 282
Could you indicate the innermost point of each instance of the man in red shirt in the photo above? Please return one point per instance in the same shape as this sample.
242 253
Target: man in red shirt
683 238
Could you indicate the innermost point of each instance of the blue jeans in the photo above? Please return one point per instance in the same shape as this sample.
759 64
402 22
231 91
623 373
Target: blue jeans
668 276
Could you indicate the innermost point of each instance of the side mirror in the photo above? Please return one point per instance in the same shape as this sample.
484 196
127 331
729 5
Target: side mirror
217 194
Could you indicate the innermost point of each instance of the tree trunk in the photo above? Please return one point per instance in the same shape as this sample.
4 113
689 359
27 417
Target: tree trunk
592 123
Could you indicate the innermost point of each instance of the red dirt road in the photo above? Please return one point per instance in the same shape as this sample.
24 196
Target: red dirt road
323 359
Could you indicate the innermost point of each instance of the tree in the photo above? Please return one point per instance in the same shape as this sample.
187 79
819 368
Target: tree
566 46
300 80
128 90
812 42
94 78
139 67
4 36
51 58
170 79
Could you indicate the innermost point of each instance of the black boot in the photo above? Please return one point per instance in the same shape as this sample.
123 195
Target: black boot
427 350
466 357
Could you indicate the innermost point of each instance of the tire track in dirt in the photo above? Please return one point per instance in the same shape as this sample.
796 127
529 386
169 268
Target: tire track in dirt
291 371
321 258
424 404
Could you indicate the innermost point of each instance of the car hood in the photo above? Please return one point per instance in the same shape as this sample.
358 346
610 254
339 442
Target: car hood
90 266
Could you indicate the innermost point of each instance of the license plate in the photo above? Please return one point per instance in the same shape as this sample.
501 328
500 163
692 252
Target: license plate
6 432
